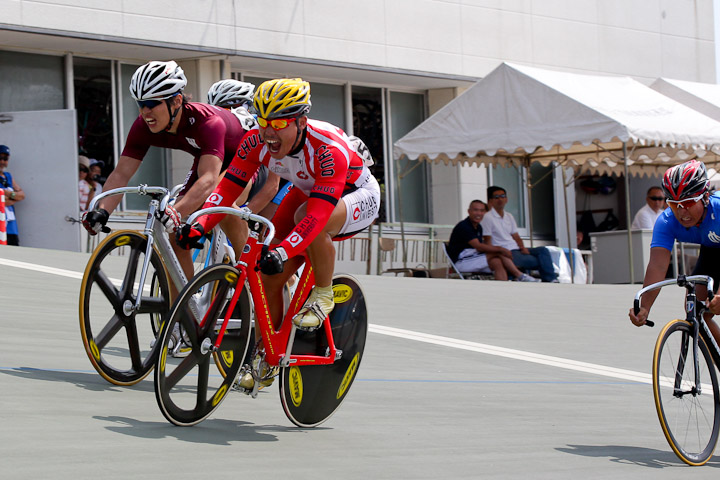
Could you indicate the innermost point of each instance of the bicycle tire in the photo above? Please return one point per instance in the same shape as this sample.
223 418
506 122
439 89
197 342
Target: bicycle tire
122 360
187 390
690 421
312 394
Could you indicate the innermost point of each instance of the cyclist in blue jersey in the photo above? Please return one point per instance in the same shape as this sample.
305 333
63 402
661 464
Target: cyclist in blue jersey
693 215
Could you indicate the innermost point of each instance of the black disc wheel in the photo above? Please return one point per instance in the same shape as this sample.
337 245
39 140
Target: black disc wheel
119 339
689 411
190 388
311 394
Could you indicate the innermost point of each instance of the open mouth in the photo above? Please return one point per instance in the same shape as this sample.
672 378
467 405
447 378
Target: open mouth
273 145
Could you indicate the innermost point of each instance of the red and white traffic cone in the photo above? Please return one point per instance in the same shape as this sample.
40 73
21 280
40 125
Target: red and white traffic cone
3 223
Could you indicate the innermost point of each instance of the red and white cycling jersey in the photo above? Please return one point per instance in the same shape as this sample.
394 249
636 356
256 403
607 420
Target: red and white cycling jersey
323 167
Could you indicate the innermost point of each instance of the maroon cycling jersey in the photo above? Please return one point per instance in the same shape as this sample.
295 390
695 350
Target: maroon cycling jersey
203 130
323 167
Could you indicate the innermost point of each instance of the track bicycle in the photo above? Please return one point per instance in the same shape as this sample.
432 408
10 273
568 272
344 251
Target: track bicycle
316 368
685 383
123 300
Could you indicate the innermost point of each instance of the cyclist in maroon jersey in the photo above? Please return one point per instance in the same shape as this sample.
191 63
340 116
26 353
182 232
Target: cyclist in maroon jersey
334 195
210 134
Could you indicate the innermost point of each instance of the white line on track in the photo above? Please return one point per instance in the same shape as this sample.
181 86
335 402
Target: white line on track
433 339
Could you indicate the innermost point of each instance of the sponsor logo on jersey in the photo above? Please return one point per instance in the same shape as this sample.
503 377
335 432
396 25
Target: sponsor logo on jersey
363 209
214 198
250 142
295 239
326 162
192 142
302 175
713 237
192 120
323 189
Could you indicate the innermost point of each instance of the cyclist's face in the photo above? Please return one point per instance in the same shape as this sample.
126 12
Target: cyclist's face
688 214
281 142
156 118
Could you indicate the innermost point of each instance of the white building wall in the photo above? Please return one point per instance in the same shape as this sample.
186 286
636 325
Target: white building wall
641 38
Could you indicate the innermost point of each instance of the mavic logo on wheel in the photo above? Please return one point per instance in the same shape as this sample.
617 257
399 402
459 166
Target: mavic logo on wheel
714 237
231 278
219 395
296 386
349 375
341 293
124 240
94 349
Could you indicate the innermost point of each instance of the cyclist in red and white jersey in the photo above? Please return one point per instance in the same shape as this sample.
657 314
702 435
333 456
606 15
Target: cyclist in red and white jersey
334 196
166 119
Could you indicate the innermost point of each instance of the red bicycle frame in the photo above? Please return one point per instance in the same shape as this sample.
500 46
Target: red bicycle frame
277 343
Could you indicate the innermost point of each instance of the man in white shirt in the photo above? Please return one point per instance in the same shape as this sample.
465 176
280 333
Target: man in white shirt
646 216
500 229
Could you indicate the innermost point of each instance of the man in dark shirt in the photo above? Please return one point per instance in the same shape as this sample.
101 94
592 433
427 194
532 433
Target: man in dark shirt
470 254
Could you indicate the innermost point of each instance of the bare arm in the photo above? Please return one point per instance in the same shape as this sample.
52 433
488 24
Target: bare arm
208 177
520 243
487 247
656 270
266 193
119 177
16 192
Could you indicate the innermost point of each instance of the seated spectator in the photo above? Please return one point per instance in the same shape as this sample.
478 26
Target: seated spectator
470 254
501 230
655 205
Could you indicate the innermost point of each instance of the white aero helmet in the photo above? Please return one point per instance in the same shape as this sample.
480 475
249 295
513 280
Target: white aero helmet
231 93
157 80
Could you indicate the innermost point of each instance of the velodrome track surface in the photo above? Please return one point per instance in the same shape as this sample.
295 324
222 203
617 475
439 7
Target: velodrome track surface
460 379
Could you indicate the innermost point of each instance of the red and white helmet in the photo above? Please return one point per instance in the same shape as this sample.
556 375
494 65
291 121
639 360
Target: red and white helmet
685 181
157 81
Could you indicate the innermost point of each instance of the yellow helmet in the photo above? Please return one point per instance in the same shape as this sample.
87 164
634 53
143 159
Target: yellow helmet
282 97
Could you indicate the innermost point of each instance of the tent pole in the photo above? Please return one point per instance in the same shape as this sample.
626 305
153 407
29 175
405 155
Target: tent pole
627 213
400 213
571 254
529 196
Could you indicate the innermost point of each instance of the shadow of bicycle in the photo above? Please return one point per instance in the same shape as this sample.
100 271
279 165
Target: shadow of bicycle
646 457
214 431
87 380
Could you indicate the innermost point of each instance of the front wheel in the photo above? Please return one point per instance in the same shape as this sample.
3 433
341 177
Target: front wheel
119 339
189 389
689 411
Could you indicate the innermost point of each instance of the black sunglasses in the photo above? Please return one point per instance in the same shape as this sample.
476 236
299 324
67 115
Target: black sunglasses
148 103
657 199
500 195
83 169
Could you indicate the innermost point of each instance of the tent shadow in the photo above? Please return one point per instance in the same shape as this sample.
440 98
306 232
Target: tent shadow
646 457
87 380
213 431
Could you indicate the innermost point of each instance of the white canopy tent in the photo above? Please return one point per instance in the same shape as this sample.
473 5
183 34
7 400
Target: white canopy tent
596 124
703 97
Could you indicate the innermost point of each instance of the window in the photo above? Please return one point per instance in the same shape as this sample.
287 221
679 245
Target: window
31 82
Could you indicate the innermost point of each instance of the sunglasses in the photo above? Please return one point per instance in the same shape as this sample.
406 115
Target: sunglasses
148 103
657 199
83 169
501 195
687 203
276 123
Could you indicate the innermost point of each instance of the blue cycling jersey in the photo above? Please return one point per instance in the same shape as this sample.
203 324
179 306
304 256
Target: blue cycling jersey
667 228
